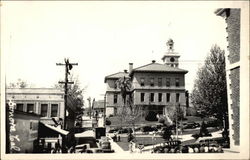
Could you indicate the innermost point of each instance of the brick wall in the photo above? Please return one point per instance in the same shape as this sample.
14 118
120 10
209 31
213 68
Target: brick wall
235 105
233 29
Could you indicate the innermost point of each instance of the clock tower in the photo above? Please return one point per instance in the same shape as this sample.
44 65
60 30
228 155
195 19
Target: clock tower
170 57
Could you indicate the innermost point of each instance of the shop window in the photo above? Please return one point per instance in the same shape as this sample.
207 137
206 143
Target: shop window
44 110
19 106
54 110
30 108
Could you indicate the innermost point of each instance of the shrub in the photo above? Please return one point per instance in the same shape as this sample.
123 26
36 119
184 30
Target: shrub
167 133
108 122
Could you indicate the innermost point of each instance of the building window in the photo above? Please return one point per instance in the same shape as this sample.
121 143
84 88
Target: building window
44 110
54 110
177 97
115 85
142 81
177 82
159 97
159 82
151 82
115 98
168 97
168 82
142 97
30 108
19 106
152 97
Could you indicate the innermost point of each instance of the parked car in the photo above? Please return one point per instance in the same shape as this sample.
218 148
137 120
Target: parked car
106 146
113 130
148 129
191 125
214 123
124 130
94 150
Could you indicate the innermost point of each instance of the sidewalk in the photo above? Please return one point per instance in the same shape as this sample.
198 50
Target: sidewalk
116 147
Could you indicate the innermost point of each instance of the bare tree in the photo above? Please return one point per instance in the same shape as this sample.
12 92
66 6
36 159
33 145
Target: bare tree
19 84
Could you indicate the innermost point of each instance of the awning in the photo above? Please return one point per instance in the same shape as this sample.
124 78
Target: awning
58 130
88 133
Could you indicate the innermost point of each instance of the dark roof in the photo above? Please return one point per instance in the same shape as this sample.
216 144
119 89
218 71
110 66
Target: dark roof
116 76
156 67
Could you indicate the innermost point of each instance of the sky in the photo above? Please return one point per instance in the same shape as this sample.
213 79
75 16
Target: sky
103 38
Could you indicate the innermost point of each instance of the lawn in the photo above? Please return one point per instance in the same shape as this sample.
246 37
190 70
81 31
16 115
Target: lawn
116 121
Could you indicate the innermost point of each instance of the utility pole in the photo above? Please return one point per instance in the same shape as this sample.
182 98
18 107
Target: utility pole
104 114
68 67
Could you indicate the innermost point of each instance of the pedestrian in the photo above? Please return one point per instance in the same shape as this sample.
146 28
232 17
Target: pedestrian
131 146
190 150
166 150
202 149
220 149
115 138
196 150
206 149
119 138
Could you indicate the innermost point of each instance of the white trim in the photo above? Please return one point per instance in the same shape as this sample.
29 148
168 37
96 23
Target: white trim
232 66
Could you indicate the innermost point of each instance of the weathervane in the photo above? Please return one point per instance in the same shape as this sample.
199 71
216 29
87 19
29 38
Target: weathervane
170 45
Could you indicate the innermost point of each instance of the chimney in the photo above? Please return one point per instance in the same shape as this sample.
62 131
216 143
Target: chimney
153 61
130 67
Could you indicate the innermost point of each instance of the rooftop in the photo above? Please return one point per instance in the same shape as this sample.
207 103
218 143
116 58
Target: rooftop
156 67
34 91
116 75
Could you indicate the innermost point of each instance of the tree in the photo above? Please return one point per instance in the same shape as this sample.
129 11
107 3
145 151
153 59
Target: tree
75 93
19 84
128 112
210 91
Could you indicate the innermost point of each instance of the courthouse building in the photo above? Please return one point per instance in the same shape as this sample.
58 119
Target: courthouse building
156 87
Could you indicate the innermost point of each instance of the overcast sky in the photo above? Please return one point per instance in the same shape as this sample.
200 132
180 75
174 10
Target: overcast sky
103 37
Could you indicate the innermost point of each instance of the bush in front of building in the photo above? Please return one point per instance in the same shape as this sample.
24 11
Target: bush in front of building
108 122
151 116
